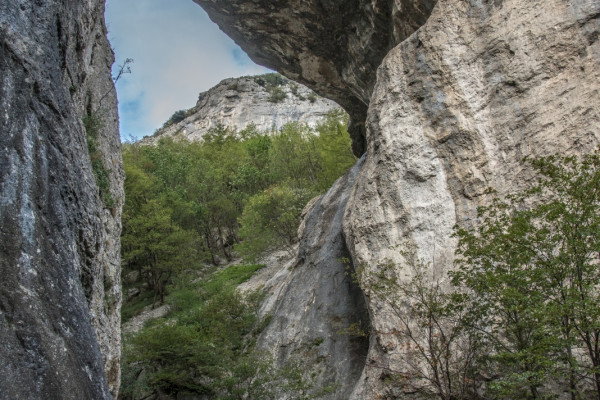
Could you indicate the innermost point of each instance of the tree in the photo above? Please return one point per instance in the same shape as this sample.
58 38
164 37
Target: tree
334 148
438 352
271 219
533 269
157 247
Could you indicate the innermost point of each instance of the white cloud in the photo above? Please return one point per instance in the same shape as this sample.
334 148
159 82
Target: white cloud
178 52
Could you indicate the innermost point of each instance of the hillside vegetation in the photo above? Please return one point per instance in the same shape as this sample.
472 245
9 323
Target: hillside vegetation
190 205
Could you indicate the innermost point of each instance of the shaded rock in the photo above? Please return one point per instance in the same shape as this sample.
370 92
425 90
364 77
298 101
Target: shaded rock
60 294
318 302
334 47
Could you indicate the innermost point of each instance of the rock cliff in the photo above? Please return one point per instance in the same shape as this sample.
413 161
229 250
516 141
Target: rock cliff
464 90
333 47
60 294
238 102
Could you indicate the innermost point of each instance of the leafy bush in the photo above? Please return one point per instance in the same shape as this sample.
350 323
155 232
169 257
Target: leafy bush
271 219
271 80
205 348
533 274
177 116
523 305
277 95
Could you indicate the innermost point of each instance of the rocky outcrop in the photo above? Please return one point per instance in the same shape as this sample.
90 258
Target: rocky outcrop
318 309
453 110
238 102
333 47
59 241
456 108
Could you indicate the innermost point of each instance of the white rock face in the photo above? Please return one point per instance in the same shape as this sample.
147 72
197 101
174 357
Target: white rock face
456 108
238 102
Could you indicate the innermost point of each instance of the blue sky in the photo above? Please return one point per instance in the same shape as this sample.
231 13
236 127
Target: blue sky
178 53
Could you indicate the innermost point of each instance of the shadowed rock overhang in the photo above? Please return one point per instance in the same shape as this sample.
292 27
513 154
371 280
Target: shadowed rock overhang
332 46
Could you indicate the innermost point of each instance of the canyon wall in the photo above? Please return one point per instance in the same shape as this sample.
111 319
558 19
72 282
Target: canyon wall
463 92
238 102
334 47
60 293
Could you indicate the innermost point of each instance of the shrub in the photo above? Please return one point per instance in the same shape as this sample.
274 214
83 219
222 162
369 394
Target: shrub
177 116
204 348
271 219
277 95
272 80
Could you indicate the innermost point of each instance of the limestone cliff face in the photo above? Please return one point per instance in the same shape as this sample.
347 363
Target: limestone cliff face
238 102
319 300
59 242
456 108
333 47
453 109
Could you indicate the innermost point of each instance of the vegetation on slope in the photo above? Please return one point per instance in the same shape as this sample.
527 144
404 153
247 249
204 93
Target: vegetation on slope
520 319
192 204
205 345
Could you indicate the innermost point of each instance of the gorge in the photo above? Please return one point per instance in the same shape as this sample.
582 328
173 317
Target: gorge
446 99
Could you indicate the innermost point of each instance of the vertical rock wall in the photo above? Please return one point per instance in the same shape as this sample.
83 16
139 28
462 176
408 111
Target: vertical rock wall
320 309
454 109
59 243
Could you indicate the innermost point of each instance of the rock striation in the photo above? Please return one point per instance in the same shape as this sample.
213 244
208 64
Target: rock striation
239 102
457 102
60 293
456 108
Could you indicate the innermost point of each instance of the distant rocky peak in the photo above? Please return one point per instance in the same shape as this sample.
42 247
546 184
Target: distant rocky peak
266 101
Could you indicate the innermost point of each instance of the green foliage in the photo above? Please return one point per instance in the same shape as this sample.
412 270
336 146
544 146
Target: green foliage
93 124
177 116
521 319
312 97
277 95
270 220
157 246
334 148
200 193
274 84
134 306
271 80
205 346
532 271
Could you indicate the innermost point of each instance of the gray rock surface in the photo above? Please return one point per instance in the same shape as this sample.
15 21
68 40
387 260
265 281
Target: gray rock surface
453 109
334 46
60 292
318 300
456 108
238 102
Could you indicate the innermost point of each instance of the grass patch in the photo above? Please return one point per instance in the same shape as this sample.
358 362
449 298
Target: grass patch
135 306
232 276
